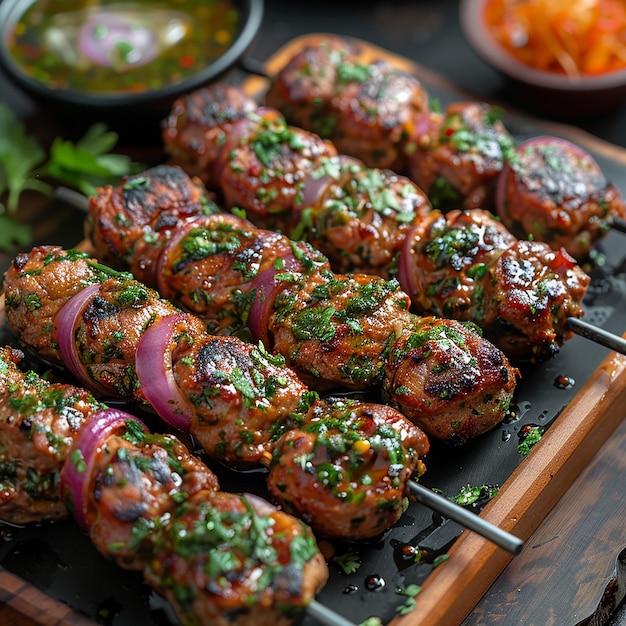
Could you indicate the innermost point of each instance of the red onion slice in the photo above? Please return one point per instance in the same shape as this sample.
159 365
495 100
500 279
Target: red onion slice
153 366
78 467
407 272
266 285
66 322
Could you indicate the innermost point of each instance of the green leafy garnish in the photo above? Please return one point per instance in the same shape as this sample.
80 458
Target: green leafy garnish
469 495
410 591
348 562
25 166
532 435
88 163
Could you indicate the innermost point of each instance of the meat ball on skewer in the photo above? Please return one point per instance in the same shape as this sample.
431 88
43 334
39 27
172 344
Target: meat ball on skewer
360 454
262 163
458 160
119 479
36 285
210 263
466 265
444 377
554 191
198 125
228 559
372 111
38 423
358 216
144 207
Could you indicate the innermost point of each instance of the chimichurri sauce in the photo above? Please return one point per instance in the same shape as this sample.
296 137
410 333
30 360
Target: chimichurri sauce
115 46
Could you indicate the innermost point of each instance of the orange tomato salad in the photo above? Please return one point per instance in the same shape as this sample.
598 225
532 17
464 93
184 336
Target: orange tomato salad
574 37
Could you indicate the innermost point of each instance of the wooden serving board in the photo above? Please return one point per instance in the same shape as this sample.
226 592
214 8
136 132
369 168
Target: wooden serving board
577 429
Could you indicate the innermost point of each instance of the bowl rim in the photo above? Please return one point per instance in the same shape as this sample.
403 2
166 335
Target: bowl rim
478 35
252 14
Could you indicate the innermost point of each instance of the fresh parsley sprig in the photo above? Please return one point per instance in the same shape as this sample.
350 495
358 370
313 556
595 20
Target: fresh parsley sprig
26 166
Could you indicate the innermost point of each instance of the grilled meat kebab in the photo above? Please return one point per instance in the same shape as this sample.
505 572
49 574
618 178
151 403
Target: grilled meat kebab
234 398
238 561
335 330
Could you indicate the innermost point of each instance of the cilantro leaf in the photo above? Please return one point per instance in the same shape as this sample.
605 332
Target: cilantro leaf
13 233
86 164
19 155
25 165
410 591
348 562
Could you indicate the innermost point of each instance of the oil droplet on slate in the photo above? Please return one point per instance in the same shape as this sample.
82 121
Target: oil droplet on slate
350 589
374 582
407 551
516 412
405 555
564 382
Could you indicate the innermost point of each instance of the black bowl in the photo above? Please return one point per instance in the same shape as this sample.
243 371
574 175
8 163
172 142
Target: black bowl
132 110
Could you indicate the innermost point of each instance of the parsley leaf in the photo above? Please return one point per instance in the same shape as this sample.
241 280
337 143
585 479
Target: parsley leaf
471 494
25 165
20 154
348 562
410 591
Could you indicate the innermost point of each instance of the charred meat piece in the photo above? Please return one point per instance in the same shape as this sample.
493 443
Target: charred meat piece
107 329
198 125
443 376
209 267
145 206
36 286
445 258
335 329
261 166
226 559
458 160
135 478
304 88
372 111
38 423
362 454
466 265
529 293
357 216
554 191
241 397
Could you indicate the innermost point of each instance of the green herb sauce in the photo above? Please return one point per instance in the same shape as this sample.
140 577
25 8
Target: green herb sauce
118 46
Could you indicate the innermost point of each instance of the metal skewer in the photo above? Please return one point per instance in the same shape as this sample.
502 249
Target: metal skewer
495 534
603 337
326 616
74 198
619 224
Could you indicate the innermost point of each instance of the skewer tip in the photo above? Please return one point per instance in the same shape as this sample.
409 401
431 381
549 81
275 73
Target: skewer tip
599 335
493 533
